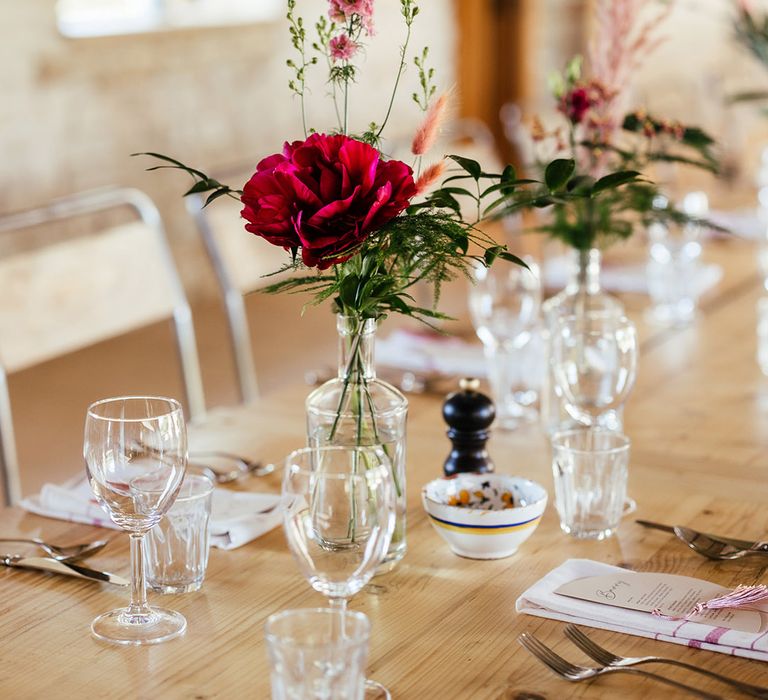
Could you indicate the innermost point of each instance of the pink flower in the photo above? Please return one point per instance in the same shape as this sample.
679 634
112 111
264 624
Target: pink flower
343 47
583 98
342 10
325 196
576 104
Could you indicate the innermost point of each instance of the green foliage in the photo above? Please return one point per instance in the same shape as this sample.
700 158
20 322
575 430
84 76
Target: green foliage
426 76
425 246
429 243
671 143
203 183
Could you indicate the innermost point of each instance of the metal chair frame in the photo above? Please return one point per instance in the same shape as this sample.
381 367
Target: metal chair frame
93 202
237 318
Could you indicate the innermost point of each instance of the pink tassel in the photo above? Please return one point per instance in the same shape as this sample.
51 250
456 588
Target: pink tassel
739 597
429 177
426 134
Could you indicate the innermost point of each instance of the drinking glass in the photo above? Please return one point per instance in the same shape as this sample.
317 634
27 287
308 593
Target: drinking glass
590 472
674 265
318 653
504 304
338 516
594 357
135 453
178 546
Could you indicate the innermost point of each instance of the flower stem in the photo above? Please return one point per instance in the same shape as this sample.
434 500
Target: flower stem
408 22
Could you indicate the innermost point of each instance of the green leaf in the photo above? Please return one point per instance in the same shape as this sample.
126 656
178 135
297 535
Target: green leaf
348 291
558 173
508 175
696 137
202 186
614 180
507 187
471 166
458 190
176 163
216 195
581 184
491 254
445 200
510 257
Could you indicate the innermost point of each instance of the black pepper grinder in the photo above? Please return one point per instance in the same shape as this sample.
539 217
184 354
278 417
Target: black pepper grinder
469 414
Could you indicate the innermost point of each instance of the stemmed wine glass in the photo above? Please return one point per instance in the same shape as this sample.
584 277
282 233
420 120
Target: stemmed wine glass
504 304
595 366
339 516
135 453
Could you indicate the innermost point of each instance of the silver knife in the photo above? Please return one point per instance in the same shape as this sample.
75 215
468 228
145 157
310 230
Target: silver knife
741 544
60 567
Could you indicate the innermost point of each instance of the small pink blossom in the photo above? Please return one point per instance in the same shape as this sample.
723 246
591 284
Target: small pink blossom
343 48
342 10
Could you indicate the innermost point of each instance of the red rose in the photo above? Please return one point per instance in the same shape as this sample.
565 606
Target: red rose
325 195
576 104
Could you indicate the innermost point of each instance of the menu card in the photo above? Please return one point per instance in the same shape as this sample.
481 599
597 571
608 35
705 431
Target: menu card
671 595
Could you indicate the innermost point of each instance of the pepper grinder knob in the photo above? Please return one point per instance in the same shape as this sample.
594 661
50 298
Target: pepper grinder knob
468 413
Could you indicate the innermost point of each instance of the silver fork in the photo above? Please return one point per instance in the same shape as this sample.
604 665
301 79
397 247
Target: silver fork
607 658
574 672
716 549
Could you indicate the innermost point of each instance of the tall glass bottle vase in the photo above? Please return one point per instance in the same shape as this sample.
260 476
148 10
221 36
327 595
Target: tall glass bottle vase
582 295
357 408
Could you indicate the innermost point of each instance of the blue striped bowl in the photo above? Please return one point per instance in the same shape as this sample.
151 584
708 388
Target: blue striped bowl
485 527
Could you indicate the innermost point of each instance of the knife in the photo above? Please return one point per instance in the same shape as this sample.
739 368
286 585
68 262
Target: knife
741 544
60 567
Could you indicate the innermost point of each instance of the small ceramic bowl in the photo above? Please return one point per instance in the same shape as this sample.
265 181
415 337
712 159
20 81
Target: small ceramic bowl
484 516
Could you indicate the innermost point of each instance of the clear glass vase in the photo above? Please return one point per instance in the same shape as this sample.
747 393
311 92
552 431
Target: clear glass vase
357 408
581 295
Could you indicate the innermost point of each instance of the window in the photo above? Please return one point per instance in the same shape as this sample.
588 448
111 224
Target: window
82 18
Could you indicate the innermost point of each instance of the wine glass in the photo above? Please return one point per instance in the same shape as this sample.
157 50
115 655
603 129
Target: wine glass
135 454
339 516
504 304
595 366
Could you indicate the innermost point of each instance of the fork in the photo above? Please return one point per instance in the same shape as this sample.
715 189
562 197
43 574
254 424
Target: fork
62 553
716 549
607 658
241 465
574 672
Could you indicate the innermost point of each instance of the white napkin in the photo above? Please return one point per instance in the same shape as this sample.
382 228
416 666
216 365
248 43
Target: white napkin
541 600
237 517
626 278
431 354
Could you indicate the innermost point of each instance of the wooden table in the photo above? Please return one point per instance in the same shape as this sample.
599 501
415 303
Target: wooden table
443 627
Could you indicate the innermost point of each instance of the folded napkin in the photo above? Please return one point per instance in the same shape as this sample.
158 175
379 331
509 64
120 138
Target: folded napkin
541 600
237 517
431 354
631 279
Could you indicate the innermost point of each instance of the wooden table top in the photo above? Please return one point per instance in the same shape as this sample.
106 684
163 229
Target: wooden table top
442 626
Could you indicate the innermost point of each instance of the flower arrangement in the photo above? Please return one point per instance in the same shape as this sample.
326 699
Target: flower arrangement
363 230
600 145
347 214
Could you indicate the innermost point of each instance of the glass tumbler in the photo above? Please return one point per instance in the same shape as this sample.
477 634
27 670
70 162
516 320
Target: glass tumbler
674 265
318 654
504 304
177 547
590 471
